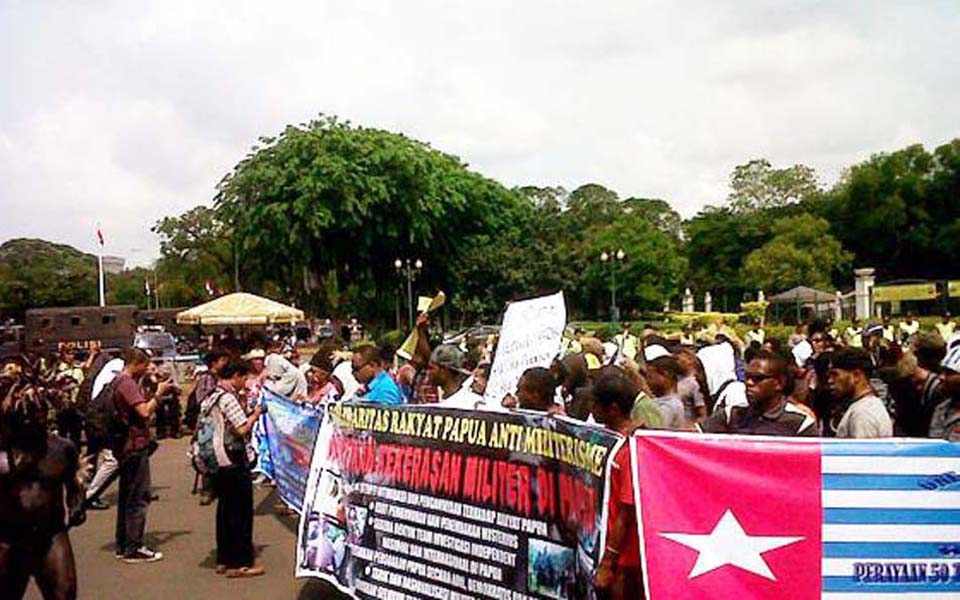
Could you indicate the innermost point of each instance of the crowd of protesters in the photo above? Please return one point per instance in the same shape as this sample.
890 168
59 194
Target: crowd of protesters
868 381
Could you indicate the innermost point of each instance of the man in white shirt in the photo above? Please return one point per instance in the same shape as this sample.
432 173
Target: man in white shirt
105 462
757 334
909 327
946 327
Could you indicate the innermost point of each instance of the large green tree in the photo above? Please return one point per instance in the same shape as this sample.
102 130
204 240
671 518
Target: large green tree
196 247
756 185
801 252
649 273
331 202
900 212
38 273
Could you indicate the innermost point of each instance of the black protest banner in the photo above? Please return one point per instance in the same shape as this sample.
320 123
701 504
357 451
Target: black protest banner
424 502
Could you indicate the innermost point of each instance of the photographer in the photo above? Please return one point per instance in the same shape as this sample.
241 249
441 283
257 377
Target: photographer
168 404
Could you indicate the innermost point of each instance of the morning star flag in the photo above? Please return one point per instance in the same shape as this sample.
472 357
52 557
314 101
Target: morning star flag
735 517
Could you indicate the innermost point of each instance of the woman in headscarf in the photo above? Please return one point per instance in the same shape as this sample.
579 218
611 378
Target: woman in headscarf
282 377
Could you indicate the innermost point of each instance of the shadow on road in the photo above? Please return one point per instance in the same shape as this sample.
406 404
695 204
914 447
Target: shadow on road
320 590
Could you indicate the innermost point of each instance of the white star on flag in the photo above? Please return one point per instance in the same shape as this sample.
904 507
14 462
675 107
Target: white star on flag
729 544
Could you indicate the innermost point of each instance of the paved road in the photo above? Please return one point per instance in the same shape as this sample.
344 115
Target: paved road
184 531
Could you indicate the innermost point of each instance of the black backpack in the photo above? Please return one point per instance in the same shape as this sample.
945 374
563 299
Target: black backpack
104 423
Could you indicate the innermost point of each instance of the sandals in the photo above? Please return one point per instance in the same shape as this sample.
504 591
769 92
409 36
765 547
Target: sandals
254 571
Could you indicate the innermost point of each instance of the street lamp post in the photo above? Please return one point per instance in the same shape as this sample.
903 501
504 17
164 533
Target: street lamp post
409 269
613 257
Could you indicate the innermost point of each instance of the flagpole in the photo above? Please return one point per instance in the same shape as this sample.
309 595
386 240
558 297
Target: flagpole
100 261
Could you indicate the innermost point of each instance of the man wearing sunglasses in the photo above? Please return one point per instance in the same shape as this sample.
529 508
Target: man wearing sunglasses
767 411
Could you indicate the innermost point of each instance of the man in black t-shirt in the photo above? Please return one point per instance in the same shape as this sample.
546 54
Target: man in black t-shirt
768 412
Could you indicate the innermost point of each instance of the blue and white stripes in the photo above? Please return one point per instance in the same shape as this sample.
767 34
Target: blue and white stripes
891 520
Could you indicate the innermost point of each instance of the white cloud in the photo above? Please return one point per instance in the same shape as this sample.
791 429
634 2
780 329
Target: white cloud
124 112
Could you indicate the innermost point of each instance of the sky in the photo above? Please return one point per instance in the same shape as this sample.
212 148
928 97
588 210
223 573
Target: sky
125 112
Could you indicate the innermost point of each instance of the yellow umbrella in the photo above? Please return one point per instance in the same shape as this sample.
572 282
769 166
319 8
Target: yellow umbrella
240 309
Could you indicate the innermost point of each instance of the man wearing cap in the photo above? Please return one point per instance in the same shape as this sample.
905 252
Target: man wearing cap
768 412
945 423
447 373
848 379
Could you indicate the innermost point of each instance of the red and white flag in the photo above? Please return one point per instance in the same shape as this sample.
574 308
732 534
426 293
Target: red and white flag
716 523
752 518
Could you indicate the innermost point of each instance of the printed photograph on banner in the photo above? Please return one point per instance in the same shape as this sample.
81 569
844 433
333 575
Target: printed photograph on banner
424 501
550 569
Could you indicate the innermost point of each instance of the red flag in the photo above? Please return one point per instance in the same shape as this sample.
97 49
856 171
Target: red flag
716 523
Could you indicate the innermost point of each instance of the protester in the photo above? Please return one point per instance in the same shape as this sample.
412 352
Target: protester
592 352
100 456
536 391
618 574
662 376
916 392
946 326
40 494
768 411
453 381
323 386
281 376
70 375
204 382
848 379
888 332
719 369
799 334
134 459
446 370
342 361
945 422
232 480
908 327
168 405
689 387
369 369
626 342
756 333
852 336
255 359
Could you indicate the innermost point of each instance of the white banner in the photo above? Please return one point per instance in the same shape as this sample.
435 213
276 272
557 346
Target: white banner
530 337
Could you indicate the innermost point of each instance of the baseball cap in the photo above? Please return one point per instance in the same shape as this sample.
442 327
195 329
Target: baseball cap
449 356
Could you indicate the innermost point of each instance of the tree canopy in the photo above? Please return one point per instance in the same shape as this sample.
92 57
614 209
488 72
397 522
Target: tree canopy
318 214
